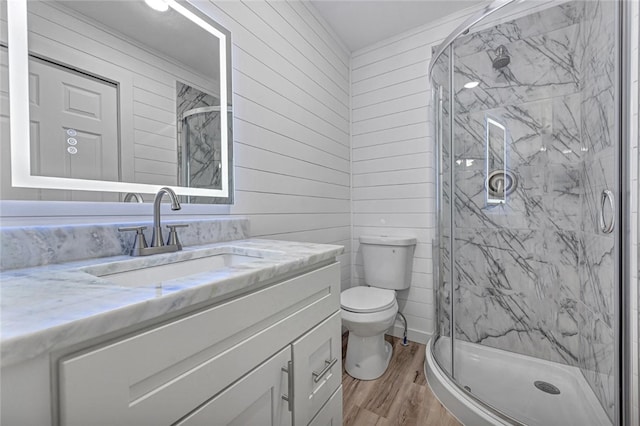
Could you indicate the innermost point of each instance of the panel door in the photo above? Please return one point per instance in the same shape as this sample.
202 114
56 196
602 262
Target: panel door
73 130
74 121
79 124
317 368
256 399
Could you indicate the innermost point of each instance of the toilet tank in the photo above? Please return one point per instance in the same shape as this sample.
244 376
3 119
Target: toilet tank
387 261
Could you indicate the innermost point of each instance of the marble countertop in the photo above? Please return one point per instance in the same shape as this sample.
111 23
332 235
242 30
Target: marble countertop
46 308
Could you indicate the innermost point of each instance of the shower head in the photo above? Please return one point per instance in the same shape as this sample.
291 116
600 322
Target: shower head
502 58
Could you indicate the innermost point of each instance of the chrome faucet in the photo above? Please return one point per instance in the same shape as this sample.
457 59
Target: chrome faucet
156 239
140 247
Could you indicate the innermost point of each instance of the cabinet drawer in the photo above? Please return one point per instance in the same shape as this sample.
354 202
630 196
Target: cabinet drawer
331 413
317 368
256 399
157 377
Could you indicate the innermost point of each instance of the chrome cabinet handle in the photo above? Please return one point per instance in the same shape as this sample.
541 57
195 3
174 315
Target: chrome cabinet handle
328 364
607 228
289 395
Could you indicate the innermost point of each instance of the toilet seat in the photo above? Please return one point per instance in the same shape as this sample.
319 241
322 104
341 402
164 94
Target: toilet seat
363 299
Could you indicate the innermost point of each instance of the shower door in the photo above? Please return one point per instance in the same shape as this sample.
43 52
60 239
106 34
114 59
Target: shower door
526 113
442 247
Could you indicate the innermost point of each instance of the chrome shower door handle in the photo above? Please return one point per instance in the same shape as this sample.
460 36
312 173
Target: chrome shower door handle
607 228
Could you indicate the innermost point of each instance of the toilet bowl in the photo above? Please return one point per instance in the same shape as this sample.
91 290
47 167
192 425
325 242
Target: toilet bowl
369 311
368 354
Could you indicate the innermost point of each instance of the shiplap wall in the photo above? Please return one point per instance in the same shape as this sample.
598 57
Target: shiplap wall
291 131
393 157
291 122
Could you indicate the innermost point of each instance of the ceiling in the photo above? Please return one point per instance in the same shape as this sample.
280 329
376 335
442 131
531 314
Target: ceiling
164 32
360 23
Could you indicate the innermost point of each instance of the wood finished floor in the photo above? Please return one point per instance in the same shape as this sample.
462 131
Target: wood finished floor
400 397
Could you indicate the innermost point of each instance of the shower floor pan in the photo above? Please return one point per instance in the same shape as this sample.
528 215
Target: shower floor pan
505 380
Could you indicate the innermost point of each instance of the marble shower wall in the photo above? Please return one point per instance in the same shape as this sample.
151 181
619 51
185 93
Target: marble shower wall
535 275
598 172
199 136
516 264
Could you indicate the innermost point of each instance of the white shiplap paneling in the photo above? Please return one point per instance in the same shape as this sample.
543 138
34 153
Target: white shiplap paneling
291 129
393 155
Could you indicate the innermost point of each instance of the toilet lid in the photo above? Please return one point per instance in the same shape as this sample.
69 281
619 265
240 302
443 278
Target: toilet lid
367 299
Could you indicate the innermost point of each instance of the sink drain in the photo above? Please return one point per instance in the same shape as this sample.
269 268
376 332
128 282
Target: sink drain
546 387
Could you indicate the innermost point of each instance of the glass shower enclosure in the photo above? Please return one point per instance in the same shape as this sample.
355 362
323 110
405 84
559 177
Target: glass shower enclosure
527 122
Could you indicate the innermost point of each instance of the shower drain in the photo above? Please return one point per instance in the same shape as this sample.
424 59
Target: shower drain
546 387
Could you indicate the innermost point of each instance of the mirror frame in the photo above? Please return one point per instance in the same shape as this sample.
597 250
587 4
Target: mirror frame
18 56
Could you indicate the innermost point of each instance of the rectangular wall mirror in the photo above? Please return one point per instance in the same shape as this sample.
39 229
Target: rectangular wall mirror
104 98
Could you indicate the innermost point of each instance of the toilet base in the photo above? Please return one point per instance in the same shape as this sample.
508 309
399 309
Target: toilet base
367 357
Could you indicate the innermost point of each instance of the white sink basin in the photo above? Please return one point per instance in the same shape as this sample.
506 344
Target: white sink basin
180 269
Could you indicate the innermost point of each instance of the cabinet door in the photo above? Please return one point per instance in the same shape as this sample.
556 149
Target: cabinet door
317 368
331 413
256 399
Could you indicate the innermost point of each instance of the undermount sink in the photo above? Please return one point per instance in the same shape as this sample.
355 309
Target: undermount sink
178 269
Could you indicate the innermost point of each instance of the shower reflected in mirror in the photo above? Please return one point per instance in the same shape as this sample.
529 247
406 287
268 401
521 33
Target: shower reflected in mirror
199 139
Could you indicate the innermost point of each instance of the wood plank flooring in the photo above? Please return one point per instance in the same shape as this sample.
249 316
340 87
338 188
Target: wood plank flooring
400 397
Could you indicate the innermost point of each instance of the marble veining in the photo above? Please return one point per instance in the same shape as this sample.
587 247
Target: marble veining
199 138
596 256
28 246
534 275
52 307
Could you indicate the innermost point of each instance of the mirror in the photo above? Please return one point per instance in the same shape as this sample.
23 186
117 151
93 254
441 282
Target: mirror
115 98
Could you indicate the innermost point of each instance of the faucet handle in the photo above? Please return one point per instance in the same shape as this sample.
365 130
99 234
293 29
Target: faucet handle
173 235
140 242
139 229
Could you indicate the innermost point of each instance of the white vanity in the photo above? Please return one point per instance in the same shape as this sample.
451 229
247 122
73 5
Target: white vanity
253 341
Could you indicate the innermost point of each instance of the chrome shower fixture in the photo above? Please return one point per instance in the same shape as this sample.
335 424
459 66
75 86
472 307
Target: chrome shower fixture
502 58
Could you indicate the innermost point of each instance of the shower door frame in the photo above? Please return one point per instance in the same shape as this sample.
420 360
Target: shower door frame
622 278
624 382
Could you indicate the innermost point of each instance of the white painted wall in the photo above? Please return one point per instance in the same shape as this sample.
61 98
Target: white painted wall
393 157
291 122
291 132
292 99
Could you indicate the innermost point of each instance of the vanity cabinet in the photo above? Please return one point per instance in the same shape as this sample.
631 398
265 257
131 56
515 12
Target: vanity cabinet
230 363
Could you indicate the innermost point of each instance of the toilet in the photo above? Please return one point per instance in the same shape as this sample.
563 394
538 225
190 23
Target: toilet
368 311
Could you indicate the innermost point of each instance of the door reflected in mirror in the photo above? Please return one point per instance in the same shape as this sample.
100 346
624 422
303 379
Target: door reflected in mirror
122 99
